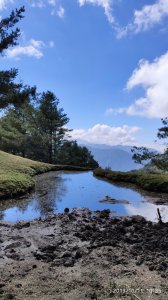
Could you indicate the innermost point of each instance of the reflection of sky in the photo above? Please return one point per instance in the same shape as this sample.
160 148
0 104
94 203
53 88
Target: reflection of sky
57 190
16 214
148 210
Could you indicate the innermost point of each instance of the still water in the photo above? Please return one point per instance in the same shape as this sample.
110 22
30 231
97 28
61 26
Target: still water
56 190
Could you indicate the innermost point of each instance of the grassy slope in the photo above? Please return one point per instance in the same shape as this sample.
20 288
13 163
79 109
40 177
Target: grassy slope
16 174
150 182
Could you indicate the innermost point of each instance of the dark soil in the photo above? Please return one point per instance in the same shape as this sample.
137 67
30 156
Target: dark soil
84 255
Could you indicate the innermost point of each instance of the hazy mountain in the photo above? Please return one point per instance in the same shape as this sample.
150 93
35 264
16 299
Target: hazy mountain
118 158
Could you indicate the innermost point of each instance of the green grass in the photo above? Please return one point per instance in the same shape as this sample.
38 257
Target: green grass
16 174
146 181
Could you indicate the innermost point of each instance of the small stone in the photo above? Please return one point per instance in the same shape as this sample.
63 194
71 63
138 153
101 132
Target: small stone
18 285
139 260
66 210
151 267
69 263
34 266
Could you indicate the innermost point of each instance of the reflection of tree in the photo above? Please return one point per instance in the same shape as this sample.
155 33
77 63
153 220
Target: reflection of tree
149 196
20 203
2 215
50 188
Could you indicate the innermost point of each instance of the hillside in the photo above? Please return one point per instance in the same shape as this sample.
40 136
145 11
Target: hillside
16 174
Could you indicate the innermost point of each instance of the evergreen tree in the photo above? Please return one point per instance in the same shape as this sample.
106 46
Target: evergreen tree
38 132
142 154
51 125
12 134
11 92
73 154
35 128
7 38
16 128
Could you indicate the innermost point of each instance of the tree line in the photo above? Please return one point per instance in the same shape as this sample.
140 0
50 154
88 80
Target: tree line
32 124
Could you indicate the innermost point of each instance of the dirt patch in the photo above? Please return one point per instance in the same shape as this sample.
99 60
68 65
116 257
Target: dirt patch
84 255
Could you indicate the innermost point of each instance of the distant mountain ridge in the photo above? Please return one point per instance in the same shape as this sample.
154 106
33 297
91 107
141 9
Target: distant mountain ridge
118 158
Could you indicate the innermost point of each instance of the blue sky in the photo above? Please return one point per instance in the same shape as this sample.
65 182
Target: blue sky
106 60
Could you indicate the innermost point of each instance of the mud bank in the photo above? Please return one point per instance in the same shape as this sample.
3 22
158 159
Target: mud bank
84 255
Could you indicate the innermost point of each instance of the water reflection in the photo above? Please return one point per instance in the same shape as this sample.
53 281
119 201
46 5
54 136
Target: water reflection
50 190
57 190
148 210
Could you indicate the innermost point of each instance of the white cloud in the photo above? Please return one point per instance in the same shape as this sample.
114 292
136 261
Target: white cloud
4 3
143 19
37 3
104 134
153 78
52 2
58 11
32 49
105 4
43 3
150 15
114 111
146 18
61 12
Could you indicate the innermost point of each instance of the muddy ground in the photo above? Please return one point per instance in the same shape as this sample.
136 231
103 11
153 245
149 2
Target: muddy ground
84 255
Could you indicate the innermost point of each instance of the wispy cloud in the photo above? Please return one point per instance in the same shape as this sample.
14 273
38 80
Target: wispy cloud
145 18
114 111
61 12
58 11
37 3
52 2
104 134
56 7
34 48
105 4
4 3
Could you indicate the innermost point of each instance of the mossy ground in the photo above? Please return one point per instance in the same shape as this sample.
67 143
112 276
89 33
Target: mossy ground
150 182
16 174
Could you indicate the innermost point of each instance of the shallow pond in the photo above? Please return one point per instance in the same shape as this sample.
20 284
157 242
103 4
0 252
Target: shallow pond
56 190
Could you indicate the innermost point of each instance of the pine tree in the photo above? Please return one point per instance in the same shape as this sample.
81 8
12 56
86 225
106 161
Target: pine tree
10 91
73 154
142 154
7 38
51 121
